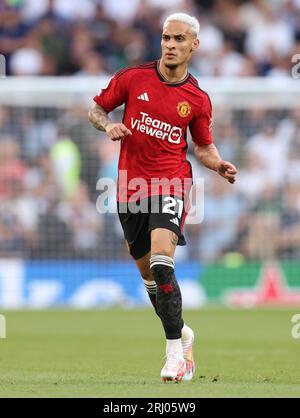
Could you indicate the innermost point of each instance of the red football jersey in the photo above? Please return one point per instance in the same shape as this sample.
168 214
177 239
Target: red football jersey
158 114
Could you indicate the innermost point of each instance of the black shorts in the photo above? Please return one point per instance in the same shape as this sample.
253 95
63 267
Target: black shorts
166 212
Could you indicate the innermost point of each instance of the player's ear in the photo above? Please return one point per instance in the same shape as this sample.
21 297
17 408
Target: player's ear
196 44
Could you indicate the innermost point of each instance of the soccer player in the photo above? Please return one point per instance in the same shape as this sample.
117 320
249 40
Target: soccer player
161 101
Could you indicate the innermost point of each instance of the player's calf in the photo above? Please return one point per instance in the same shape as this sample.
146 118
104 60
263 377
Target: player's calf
168 297
151 289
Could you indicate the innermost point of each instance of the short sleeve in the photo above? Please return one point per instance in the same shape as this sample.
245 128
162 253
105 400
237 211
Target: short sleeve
201 124
114 94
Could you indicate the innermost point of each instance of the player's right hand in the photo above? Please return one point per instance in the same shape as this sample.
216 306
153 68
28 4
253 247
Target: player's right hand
117 131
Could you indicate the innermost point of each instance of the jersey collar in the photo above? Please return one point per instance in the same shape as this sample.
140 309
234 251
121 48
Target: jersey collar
168 83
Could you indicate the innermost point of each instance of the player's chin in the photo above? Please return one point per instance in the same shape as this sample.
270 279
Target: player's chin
170 62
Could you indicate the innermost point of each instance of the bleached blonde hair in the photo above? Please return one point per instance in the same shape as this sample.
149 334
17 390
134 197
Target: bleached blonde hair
185 18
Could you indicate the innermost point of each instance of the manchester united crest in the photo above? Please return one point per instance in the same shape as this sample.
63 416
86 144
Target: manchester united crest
183 109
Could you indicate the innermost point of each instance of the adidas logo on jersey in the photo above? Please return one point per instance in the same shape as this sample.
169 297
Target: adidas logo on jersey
144 97
175 221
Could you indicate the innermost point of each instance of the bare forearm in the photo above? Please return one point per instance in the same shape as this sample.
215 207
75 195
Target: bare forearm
208 155
99 118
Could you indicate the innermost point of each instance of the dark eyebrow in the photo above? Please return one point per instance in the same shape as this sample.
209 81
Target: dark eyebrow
178 35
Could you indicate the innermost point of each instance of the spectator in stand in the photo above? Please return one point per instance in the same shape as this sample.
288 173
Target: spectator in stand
251 121
67 10
28 59
87 141
84 222
12 168
7 129
54 40
92 65
17 209
66 160
258 35
12 30
272 150
53 234
218 232
227 136
109 155
206 57
126 16
41 181
273 37
290 127
293 175
250 183
262 225
12 234
81 42
230 63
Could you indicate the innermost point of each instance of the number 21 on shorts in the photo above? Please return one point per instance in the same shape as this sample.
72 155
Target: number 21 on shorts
170 203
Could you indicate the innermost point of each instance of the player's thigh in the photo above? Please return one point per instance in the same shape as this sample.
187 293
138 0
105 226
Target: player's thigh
163 241
166 222
135 227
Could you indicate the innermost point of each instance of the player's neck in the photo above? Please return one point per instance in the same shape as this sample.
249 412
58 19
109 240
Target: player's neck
173 75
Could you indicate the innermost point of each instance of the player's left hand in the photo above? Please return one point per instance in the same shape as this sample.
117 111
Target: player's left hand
227 170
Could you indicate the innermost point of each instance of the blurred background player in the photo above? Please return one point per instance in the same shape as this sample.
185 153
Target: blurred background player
154 147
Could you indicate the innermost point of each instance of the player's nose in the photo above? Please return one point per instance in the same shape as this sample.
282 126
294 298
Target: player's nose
170 45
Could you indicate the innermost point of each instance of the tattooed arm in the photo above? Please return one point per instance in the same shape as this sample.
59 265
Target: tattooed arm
100 120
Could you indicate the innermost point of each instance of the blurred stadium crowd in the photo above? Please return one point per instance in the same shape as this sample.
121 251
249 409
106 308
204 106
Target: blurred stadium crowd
50 159
93 37
50 162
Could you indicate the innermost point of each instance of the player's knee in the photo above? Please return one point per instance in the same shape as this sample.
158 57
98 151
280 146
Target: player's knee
161 243
161 247
158 249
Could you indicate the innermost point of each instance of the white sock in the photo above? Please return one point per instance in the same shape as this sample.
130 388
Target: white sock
186 336
174 346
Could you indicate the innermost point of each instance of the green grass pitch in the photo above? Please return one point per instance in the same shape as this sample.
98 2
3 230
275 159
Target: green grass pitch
119 353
